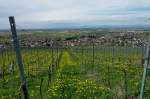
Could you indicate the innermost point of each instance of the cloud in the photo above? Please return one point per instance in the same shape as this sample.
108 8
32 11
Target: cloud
40 13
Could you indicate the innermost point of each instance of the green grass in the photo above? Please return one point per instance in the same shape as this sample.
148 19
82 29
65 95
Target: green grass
78 75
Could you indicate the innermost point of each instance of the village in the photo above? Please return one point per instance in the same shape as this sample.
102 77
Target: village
129 38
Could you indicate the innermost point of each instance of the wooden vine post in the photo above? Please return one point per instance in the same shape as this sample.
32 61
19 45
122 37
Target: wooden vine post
52 61
19 57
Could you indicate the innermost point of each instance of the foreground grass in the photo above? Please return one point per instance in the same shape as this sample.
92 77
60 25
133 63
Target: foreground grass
77 76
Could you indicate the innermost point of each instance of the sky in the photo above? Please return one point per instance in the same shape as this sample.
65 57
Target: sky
72 13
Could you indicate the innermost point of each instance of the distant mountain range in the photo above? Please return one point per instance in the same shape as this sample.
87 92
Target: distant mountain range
80 26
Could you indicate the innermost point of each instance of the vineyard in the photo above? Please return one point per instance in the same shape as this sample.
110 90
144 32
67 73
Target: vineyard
81 72
74 49
73 66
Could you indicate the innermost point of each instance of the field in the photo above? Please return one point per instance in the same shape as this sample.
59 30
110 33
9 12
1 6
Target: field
75 72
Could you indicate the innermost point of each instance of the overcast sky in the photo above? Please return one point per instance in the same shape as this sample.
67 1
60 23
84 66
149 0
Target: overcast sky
51 13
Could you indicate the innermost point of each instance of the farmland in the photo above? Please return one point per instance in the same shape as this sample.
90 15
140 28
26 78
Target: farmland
87 64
